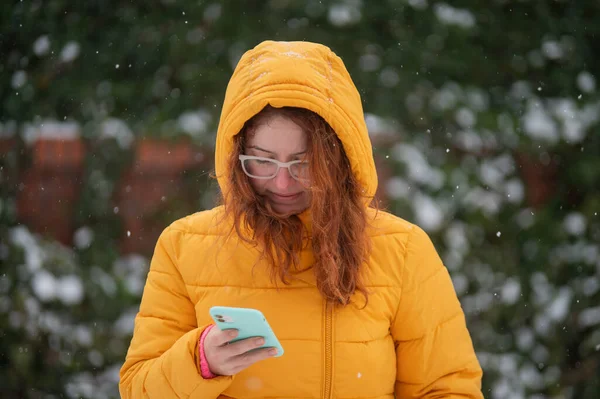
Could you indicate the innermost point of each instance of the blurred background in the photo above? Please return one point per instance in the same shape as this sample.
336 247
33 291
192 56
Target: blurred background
485 122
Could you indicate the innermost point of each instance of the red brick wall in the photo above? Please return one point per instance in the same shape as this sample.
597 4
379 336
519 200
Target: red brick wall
50 187
155 177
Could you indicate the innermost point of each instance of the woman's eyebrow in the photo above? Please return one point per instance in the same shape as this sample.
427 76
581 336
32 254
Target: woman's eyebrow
271 152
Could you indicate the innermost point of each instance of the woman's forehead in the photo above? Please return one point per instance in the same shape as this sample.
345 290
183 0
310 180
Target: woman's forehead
277 131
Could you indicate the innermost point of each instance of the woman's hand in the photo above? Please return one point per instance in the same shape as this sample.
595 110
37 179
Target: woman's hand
225 358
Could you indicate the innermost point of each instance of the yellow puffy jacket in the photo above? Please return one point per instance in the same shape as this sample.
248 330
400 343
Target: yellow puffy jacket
410 341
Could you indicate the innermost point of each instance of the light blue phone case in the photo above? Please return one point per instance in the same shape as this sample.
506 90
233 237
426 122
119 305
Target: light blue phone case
248 322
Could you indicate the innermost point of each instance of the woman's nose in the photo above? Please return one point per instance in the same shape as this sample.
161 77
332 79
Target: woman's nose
283 179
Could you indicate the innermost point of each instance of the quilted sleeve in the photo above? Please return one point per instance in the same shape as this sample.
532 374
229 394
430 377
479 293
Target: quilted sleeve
162 360
435 355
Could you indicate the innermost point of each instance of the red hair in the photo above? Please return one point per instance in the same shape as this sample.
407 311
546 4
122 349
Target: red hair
338 209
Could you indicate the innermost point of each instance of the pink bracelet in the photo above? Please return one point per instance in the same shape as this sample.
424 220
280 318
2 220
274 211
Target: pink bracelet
204 367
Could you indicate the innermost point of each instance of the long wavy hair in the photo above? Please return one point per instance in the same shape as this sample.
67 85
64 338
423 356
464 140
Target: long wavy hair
338 209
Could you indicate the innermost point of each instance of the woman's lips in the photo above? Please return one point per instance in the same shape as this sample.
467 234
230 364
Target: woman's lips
286 197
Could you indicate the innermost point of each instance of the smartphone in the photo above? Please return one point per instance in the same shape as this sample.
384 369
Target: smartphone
248 322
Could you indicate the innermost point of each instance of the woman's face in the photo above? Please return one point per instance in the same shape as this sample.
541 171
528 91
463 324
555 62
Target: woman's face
281 139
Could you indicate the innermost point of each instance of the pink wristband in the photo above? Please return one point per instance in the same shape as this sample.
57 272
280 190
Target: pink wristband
204 367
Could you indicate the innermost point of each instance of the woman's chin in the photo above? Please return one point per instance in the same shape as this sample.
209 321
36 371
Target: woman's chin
287 210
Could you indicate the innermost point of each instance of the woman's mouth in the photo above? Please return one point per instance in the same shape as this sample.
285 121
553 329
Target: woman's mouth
285 197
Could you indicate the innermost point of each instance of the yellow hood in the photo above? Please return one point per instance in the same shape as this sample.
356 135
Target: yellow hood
296 74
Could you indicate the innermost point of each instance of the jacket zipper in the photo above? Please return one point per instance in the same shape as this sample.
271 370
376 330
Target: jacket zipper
328 341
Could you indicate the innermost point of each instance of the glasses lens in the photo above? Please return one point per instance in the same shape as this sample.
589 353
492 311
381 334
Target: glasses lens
260 167
300 170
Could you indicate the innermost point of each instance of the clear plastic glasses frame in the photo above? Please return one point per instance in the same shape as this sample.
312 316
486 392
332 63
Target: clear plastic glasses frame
297 169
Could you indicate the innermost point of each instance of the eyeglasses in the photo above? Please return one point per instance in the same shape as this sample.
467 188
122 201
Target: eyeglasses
267 168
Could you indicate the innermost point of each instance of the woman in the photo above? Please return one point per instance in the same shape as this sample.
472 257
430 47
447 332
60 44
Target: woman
358 298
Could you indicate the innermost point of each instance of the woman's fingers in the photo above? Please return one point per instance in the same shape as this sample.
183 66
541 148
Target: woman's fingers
227 358
243 346
217 337
247 359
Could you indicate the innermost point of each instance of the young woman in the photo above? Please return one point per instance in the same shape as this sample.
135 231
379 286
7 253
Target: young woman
359 298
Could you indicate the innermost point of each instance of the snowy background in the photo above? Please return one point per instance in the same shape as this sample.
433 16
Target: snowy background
485 122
